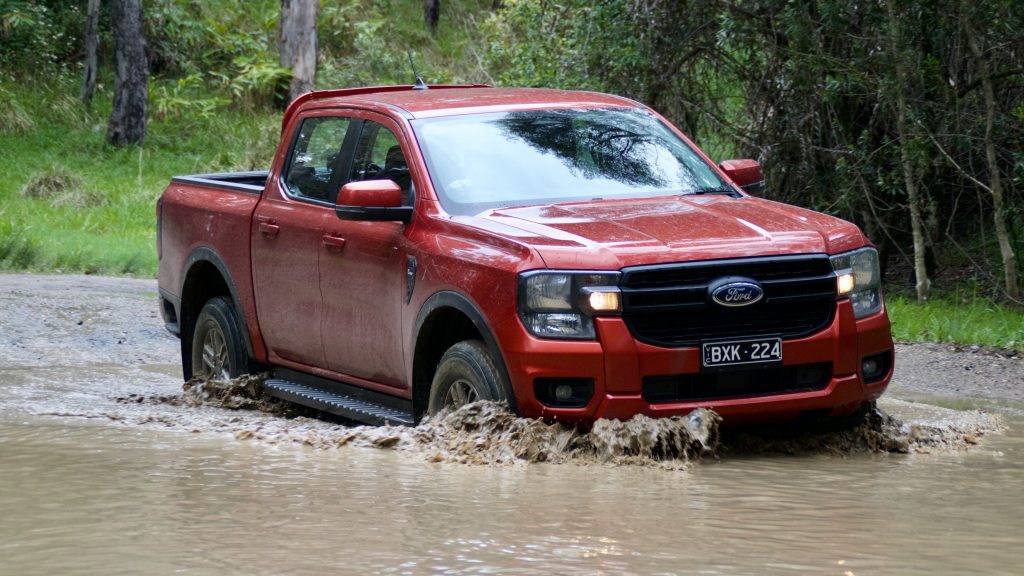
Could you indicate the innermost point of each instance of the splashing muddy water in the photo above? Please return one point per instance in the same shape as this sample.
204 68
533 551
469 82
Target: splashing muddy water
488 433
481 433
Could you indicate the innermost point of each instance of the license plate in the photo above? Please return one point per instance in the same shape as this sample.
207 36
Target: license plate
741 352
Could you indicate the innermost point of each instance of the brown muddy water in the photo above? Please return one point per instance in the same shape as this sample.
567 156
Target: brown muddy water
107 466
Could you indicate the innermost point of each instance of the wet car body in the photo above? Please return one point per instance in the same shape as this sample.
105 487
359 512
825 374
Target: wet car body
366 305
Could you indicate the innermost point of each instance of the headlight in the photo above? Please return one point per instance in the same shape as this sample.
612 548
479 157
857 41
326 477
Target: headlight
858 276
559 304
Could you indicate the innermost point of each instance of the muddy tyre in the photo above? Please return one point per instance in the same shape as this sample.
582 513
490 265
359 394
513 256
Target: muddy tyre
218 350
465 374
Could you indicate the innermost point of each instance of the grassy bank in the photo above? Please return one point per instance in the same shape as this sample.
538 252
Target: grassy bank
71 203
958 320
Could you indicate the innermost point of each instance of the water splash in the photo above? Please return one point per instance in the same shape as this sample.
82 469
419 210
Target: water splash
487 433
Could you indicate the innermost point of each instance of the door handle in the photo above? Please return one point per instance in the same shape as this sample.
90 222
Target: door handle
335 243
269 229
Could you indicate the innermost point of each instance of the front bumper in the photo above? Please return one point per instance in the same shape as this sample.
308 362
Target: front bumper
617 364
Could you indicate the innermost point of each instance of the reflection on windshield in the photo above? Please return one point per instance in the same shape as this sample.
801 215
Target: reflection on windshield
591 147
484 161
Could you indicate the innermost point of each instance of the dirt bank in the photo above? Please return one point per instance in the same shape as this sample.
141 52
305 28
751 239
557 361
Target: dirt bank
991 378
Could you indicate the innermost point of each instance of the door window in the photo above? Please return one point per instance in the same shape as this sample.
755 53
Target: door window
379 157
314 161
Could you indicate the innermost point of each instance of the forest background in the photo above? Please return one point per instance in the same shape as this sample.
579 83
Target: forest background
905 117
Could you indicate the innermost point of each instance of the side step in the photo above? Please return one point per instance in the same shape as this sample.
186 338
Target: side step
338 403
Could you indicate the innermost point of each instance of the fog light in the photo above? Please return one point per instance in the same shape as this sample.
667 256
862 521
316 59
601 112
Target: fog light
874 368
563 392
869 367
844 284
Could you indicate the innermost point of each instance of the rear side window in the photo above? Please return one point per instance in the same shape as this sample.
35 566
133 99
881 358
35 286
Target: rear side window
315 156
379 157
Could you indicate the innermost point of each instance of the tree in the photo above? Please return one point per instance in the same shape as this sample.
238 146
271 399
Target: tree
923 284
431 13
995 186
299 44
127 123
92 40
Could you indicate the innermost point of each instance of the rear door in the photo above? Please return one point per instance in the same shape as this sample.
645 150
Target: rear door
287 234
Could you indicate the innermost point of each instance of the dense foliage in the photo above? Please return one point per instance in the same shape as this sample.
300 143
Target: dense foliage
811 90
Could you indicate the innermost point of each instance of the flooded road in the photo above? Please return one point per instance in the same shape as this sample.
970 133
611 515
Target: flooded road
106 468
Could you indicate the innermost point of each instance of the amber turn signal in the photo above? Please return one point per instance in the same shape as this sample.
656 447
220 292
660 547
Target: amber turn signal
603 300
844 284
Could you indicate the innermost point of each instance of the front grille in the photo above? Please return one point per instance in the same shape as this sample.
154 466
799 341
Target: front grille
668 304
737 383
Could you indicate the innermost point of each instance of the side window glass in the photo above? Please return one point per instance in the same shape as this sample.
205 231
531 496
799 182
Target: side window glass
379 157
314 158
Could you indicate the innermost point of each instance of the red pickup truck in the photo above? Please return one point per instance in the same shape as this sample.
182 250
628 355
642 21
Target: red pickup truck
570 253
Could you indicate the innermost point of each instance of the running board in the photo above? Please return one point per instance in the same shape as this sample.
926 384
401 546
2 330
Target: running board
337 403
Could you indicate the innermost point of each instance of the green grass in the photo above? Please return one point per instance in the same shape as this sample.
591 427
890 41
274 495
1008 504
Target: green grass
956 319
71 203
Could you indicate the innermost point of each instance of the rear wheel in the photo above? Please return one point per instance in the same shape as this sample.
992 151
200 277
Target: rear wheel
218 350
465 374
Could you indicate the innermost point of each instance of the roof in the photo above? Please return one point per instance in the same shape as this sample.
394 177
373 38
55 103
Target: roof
423 103
443 100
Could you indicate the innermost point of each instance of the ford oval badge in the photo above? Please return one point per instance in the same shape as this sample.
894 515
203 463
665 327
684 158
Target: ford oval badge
737 293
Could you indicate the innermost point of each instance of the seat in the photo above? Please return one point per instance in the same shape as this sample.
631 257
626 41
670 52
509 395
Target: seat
304 181
396 168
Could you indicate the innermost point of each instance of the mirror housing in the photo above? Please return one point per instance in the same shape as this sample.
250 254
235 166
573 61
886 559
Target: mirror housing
746 173
372 201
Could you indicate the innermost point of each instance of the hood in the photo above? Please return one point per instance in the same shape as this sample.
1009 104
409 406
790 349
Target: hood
616 233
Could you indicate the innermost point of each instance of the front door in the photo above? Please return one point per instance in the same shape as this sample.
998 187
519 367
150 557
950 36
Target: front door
363 272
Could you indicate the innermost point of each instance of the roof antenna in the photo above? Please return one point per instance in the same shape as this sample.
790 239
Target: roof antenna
420 84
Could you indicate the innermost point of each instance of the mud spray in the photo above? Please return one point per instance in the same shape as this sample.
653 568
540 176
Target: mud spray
487 433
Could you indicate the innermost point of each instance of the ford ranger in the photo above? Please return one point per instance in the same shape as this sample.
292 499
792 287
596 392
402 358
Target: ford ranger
571 254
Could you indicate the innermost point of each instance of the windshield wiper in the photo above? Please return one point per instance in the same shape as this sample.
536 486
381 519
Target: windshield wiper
720 190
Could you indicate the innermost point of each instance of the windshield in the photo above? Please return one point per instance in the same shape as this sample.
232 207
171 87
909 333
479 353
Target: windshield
480 162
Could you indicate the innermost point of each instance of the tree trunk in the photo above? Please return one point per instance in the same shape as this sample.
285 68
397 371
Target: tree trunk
995 181
128 119
299 44
92 40
431 13
923 284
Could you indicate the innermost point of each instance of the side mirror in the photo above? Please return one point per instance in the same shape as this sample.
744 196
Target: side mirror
746 174
372 200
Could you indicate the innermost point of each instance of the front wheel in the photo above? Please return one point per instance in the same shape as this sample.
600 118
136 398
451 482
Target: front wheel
465 374
218 351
